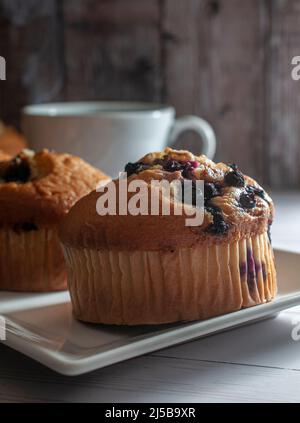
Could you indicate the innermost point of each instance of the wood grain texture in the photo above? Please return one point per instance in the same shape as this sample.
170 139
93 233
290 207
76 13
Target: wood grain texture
226 60
216 50
112 50
283 138
148 379
30 40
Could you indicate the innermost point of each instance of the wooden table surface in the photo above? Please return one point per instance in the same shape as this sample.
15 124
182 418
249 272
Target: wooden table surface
259 362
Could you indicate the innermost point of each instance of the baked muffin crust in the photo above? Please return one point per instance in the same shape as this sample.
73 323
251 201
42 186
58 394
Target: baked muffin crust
40 188
235 207
11 141
4 156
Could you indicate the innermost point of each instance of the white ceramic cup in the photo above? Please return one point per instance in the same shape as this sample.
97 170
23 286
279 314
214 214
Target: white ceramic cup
110 134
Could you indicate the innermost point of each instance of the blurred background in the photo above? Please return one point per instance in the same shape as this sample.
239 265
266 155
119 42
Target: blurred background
228 61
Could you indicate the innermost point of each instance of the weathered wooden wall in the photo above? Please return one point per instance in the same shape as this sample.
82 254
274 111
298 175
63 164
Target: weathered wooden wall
226 60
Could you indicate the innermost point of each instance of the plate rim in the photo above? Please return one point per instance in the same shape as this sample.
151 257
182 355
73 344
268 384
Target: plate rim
66 365
146 343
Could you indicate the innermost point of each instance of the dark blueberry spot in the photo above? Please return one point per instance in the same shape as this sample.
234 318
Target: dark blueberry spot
261 266
247 200
250 261
219 226
25 227
187 171
163 161
256 191
264 271
234 178
18 170
251 281
210 190
257 267
171 165
186 168
243 269
251 270
137 167
233 166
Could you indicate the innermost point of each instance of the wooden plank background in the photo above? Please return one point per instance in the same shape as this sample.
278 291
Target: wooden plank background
226 60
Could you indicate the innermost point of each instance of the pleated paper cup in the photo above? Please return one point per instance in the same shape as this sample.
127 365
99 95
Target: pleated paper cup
152 287
31 261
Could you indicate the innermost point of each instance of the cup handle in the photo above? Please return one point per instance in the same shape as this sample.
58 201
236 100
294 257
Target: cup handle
201 127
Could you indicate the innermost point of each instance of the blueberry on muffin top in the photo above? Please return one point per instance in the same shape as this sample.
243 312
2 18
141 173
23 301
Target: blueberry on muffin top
16 170
228 194
235 207
38 189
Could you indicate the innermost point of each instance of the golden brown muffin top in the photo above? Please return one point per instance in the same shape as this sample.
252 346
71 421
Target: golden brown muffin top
11 141
4 156
40 188
235 206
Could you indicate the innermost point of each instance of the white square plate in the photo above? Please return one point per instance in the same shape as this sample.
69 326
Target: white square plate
43 328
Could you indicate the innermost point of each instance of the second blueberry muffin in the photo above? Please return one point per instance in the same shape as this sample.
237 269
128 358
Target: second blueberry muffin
36 191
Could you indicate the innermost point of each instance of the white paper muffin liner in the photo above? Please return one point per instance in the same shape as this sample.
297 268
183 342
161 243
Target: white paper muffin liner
150 287
31 261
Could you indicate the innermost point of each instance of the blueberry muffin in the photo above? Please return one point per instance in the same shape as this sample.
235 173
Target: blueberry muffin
36 191
150 269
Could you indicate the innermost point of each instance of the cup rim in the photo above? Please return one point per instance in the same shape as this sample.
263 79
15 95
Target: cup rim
87 109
